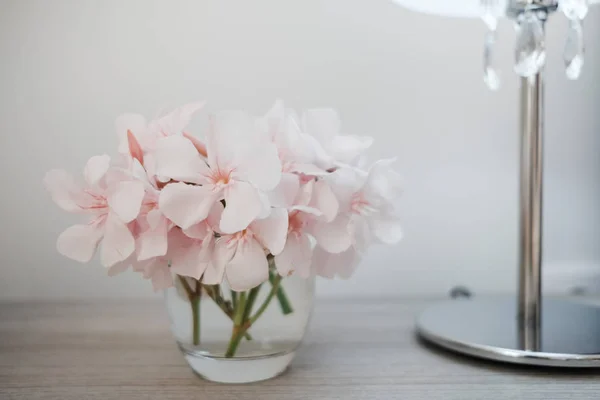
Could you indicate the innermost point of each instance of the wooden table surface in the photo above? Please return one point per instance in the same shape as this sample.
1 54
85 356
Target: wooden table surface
355 350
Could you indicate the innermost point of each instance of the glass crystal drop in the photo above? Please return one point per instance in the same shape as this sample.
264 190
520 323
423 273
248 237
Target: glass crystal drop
490 76
530 52
574 9
574 50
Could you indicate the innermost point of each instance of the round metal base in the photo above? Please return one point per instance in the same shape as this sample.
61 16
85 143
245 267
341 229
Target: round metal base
487 328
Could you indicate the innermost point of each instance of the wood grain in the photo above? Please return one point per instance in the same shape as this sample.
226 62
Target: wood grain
355 350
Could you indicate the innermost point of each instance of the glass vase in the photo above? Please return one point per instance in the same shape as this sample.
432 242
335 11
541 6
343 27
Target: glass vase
239 337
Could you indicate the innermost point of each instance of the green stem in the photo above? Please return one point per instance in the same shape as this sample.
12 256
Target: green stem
242 324
265 304
238 321
194 298
250 302
284 303
233 298
224 305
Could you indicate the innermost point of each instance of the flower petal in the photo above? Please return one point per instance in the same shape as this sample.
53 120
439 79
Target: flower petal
322 123
126 199
231 135
248 268
383 184
135 150
65 192
153 242
272 231
96 168
329 265
193 260
198 231
222 254
335 236
347 148
118 243
324 199
295 257
243 205
79 242
161 277
135 123
178 159
186 205
285 193
261 167
386 228
174 122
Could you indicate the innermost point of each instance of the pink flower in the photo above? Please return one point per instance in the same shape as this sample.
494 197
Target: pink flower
189 254
295 151
242 256
332 149
149 133
314 201
111 201
241 166
367 214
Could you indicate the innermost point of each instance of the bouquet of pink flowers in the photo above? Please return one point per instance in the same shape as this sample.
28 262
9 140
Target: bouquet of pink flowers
258 200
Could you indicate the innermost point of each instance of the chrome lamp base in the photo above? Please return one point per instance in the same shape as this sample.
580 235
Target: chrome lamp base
527 329
488 328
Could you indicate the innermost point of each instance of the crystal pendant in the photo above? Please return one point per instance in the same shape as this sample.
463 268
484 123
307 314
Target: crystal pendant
574 9
530 53
492 10
490 76
574 50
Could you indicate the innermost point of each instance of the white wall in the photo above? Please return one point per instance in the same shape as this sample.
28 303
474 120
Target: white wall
68 68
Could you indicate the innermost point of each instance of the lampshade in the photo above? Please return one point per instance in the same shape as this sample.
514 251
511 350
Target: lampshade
451 8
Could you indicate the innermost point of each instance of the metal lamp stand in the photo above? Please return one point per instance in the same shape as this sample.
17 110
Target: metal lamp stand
528 330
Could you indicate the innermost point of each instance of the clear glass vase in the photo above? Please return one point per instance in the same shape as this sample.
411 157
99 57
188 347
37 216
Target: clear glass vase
240 337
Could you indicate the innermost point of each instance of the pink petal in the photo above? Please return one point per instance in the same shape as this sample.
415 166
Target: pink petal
295 257
186 205
222 254
323 124
135 150
126 199
65 193
346 149
201 147
129 122
272 231
178 159
198 231
383 184
153 242
243 205
192 261
154 218
176 121
119 268
324 199
96 168
329 265
249 266
285 193
307 169
335 236
229 136
118 242
161 277
79 242
386 228
261 167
